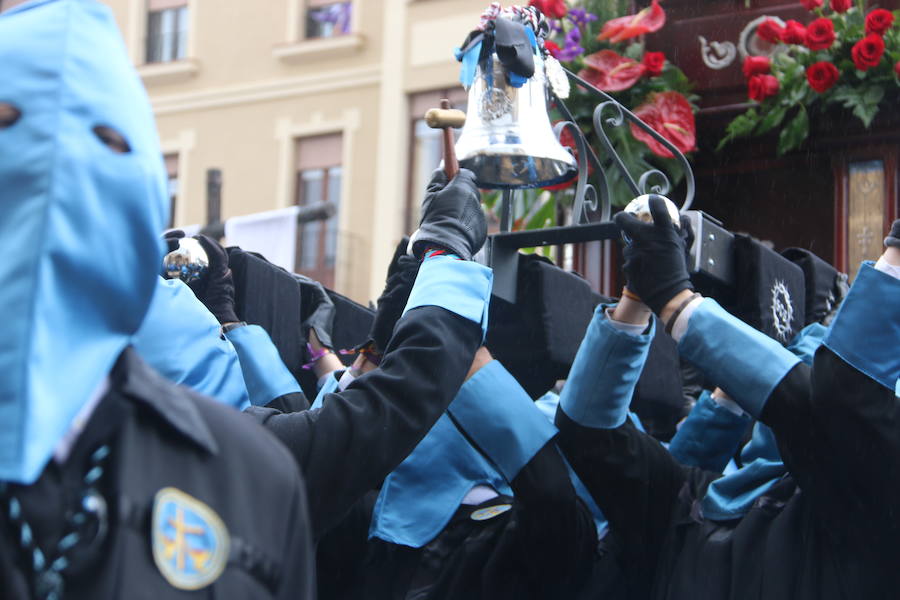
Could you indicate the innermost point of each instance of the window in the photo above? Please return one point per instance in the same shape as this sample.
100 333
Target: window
426 147
171 161
319 176
327 18
167 26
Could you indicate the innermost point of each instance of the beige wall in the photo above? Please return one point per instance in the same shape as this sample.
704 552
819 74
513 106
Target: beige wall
251 85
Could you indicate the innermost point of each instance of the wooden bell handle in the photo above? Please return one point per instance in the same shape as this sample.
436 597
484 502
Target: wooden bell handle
451 165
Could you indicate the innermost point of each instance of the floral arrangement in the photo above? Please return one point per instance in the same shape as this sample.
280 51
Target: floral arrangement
605 46
844 57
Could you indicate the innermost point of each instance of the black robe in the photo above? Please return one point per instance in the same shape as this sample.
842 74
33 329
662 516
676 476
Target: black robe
162 435
543 547
829 529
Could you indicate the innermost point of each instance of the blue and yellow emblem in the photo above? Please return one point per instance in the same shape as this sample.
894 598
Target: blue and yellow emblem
190 542
483 514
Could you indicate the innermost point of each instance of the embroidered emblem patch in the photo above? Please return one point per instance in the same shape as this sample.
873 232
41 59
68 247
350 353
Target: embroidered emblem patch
782 310
483 514
190 542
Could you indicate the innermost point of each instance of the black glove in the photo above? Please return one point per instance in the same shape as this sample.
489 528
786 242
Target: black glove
893 238
451 216
400 279
171 238
655 257
216 289
318 310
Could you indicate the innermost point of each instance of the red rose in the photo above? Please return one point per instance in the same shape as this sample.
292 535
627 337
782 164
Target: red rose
841 6
552 47
867 52
654 61
761 87
770 31
820 34
794 33
554 9
821 76
756 65
878 21
811 4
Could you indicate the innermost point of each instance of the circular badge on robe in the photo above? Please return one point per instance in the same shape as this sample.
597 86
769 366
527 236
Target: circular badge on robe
483 514
190 542
782 310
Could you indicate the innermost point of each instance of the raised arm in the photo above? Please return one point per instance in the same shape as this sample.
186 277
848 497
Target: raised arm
358 436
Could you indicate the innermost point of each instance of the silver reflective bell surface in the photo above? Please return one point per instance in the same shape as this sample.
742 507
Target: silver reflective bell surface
640 208
508 141
188 263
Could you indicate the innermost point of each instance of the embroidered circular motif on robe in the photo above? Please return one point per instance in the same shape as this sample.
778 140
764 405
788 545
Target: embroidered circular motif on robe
190 542
483 514
782 310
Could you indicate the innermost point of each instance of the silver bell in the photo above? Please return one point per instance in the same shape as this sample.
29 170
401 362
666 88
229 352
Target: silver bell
508 141
188 262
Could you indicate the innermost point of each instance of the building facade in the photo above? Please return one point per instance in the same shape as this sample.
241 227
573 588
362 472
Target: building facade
299 102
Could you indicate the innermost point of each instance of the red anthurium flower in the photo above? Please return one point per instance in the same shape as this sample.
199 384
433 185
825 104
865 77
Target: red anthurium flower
555 9
756 65
654 62
867 52
770 31
897 68
794 33
568 141
841 6
879 20
821 76
670 114
611 72
811 4
761 87
647 20
820 34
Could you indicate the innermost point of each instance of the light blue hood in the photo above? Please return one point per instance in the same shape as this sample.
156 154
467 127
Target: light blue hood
79 231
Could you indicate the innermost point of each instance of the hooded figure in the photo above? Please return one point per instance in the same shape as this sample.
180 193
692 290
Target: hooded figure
84 200
113 481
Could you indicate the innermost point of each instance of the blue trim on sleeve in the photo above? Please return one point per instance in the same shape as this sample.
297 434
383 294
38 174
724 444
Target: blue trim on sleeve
462 287
604 374
744 362
866 331
805 343
709 436
264 373
501 418
331 385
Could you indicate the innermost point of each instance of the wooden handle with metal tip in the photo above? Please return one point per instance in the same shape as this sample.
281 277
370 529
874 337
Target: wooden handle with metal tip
444 118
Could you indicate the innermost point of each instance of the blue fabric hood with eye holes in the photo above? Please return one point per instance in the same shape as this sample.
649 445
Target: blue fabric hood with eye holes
80 223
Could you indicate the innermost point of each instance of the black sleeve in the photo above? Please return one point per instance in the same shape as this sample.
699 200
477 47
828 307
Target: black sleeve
557 530
361 434
838 431
298 561
635 482
288 403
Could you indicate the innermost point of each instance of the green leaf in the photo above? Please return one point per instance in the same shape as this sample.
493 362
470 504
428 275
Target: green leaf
772 120
873 95
865 113
742 126
794 133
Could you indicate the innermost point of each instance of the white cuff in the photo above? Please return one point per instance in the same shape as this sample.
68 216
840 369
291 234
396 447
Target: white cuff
629 328
681 323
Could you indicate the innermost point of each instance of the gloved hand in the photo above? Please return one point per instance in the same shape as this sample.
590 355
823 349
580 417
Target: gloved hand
216 288
451 216
171 238
655 264
318 310
401 276
893 238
